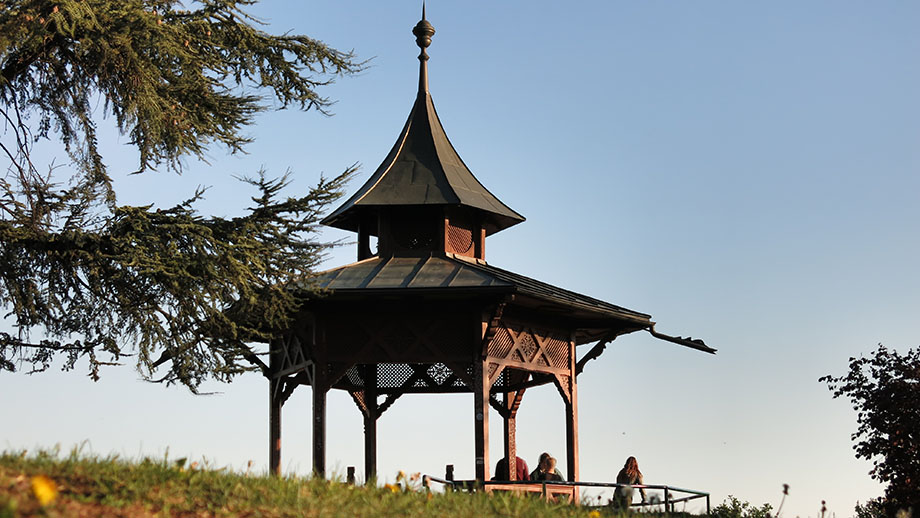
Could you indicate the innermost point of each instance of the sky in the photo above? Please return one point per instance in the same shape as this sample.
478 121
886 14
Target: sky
746 173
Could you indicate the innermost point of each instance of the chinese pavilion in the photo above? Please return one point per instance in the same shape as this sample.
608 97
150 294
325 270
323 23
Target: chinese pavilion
425 312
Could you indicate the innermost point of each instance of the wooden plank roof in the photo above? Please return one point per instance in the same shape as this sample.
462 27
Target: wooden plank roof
450 273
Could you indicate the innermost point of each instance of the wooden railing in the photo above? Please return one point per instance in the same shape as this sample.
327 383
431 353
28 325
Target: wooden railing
552 490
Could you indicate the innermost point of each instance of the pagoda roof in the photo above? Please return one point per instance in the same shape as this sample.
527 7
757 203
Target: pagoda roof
457 275
423 168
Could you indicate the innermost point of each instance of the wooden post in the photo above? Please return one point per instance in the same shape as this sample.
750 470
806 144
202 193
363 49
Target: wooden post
274 427
481 417
319 420
510 427
571 419
370 423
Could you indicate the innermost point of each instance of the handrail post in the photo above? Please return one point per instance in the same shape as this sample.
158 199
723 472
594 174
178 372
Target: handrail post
708 510
351 475
666 495
449 476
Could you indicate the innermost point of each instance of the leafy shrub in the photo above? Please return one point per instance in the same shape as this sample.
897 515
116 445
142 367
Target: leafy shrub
734 508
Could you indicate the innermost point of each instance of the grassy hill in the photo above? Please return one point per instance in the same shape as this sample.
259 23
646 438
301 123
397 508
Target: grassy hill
45 484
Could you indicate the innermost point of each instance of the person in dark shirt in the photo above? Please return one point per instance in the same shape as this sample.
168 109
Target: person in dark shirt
501 470
546 469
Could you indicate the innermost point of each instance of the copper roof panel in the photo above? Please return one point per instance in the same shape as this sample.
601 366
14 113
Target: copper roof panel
396 272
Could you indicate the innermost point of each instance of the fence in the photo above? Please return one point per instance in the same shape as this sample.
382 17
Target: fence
570 490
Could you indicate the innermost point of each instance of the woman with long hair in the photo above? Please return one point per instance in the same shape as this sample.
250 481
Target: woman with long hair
628 476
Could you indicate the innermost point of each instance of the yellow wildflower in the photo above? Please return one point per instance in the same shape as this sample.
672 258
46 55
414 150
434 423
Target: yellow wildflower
391 487
401 475
594 514
45 489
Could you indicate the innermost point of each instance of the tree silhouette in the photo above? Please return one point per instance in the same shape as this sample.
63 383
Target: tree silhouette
884 389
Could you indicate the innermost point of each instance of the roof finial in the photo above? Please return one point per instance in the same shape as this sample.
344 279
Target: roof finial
423 32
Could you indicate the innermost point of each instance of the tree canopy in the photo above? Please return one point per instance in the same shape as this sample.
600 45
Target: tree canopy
98 280
884 389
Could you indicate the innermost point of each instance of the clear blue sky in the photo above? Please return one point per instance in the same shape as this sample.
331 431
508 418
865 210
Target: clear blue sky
745 173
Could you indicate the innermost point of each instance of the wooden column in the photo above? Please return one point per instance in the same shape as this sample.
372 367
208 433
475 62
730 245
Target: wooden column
481 417
510 432
274 427
571 419
319 419
370 423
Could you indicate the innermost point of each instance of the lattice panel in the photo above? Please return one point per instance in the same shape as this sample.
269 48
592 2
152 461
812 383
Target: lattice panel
503 379
459 240
557 350
396 375
393 375
501 345
353 375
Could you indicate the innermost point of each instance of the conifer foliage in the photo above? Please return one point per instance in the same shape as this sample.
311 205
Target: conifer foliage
94 279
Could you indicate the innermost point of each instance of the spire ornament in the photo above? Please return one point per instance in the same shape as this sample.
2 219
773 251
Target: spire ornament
423 32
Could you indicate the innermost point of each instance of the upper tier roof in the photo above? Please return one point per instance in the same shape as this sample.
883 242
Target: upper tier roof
423 168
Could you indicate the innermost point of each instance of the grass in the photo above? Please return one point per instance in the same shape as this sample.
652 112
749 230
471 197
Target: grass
77 485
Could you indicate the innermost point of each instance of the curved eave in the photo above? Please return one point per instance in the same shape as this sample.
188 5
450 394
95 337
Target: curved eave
423 169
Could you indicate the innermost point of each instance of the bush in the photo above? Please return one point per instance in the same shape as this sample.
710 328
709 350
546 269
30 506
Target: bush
734 508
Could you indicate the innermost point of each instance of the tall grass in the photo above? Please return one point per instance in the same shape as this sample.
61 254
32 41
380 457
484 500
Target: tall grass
82 485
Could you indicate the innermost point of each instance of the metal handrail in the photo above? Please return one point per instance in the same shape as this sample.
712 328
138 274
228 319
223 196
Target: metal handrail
668 502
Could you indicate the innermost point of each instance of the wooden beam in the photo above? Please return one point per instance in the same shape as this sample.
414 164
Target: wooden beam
370 423
319 420
274 426
481 418
511 402
571 419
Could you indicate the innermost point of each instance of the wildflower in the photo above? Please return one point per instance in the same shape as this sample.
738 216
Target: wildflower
45 489
594 514
401 475
393 488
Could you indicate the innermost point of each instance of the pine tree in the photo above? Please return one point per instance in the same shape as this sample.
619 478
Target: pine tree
99 280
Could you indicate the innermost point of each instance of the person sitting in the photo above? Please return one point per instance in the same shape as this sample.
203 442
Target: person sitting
628 476
501 470
546 469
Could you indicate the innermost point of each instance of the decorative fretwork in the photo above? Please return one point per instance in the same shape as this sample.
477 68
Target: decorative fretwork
439 373
290 356
527 346
409 377
529 349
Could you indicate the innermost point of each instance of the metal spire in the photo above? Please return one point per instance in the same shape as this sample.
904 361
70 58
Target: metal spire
423 32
